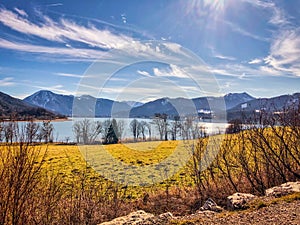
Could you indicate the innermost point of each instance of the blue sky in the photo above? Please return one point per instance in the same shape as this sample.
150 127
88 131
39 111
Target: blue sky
142 50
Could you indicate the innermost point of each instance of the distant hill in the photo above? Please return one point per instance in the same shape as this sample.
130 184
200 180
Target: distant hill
184 106
256 106
13 108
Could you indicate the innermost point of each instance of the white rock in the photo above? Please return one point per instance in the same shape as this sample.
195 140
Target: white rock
283 189
239 200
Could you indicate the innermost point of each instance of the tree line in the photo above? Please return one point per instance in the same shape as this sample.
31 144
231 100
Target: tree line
12 132
111 131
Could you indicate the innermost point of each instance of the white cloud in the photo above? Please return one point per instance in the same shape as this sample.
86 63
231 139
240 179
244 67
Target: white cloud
255 61
173 71
7 81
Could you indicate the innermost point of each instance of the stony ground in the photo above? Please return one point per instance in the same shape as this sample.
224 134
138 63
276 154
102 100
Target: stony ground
280 212
263 211
281 205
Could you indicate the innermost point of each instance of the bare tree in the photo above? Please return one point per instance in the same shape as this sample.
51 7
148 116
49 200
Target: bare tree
149 128
31 131
46 131
134 127
160 121
121 128
187 128
175 126
142 127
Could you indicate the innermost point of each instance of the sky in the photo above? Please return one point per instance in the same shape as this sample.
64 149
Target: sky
141 50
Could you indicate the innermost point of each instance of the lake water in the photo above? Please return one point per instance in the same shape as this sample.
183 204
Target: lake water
63 130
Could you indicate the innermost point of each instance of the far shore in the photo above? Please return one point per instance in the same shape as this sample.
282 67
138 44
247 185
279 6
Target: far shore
38 120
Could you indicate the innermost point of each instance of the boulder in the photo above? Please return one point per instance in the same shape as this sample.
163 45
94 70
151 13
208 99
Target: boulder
283 189
140 217
239 200
211 206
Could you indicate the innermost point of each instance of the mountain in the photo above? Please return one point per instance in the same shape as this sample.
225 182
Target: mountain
61 104
88 106
83 106
13 108
184 106
254 107
233 99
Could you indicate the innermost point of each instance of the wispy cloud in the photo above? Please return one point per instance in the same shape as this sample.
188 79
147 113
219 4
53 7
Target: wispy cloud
7 81
55 4
278 16
144 73
71 53
59 89
245 71
285 52
236 28
218 55
95 43
69 75
21 12
64 30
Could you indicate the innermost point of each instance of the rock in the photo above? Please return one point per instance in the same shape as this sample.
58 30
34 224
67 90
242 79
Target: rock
140 217
211 206
283 189
239 200
132 218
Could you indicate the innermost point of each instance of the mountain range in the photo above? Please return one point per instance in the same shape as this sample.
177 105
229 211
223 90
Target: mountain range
89 106
47 103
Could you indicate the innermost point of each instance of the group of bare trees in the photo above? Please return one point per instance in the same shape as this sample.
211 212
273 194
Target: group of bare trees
88 132
111 131
12 131
252 159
